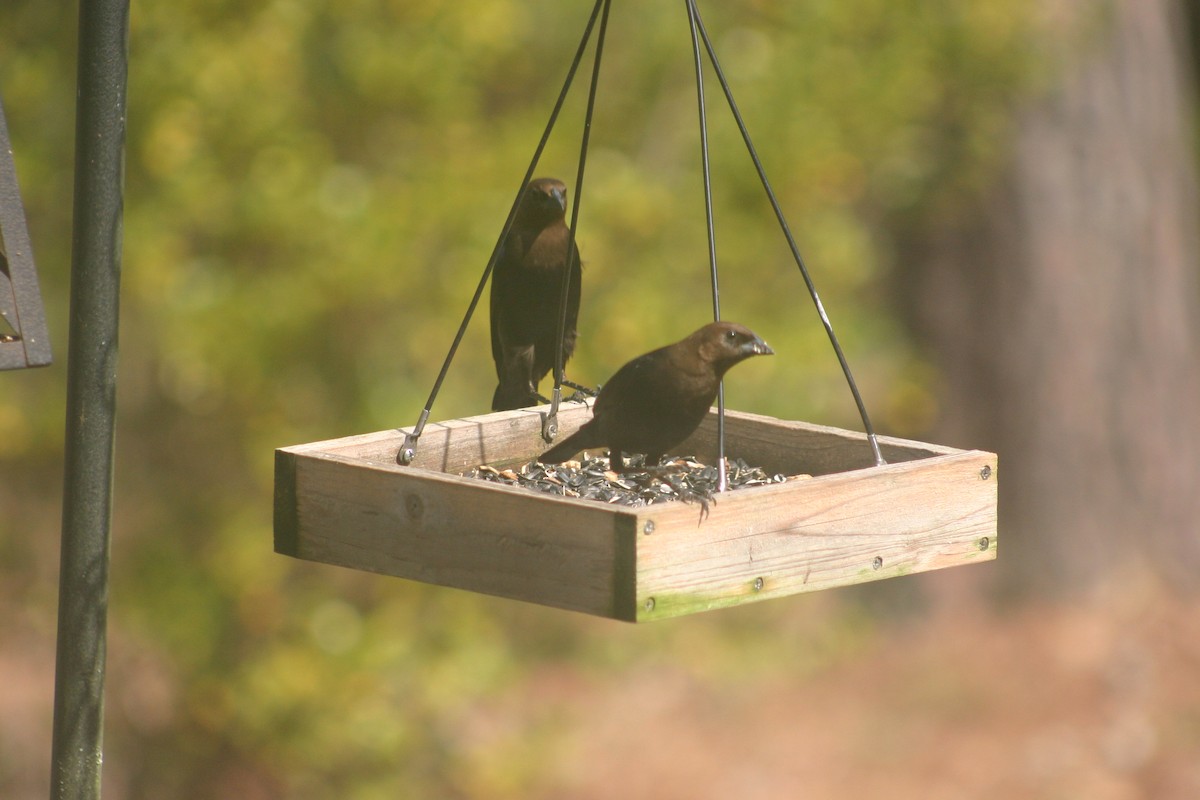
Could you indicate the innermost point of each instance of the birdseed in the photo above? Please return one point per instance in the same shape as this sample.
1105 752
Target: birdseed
676 478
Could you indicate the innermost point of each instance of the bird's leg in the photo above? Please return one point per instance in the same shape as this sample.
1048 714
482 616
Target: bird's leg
581 392
532 396
687 494
651 471
582 396
616 461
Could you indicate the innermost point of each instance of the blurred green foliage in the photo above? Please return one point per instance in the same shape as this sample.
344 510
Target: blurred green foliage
313 189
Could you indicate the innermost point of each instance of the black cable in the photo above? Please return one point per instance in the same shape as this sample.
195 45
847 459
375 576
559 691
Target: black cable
408 449
551 428
812 290
693 18
699 33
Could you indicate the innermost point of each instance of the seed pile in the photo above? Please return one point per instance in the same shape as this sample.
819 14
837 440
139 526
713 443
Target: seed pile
678 478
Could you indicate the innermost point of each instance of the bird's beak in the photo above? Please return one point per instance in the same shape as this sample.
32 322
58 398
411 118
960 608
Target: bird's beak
757 348
559 197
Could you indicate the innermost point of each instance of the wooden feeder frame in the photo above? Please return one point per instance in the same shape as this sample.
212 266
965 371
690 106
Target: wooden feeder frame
347 502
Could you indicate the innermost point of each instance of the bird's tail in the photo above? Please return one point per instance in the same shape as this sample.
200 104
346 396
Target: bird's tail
507 398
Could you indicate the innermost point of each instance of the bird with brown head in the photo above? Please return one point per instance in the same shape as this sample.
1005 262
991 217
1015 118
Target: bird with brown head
658 399
526 291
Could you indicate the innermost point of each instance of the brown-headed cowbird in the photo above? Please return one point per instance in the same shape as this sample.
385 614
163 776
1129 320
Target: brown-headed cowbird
655 401
526 287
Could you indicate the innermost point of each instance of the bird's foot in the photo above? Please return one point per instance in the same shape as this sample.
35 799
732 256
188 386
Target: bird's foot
690 495
581 392
645 476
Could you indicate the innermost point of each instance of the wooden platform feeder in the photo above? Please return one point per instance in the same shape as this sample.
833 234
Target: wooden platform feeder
347 502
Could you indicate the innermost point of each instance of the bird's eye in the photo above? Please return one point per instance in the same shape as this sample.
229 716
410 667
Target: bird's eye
731 335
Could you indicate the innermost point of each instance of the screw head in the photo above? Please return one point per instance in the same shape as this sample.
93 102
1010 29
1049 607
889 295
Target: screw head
648 528
986 472
649 604
758 584
406 455
984 543
877 563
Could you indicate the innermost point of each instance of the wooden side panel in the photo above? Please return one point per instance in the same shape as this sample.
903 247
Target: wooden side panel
459 444
456 532
777 445
819 533
347 502
791 447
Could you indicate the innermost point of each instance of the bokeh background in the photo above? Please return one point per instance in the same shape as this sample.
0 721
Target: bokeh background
998 204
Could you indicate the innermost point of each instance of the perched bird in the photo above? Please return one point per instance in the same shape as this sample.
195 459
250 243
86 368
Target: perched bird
655 401
526 287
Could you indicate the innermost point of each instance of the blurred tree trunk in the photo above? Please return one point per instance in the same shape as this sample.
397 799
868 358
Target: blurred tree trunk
1065 310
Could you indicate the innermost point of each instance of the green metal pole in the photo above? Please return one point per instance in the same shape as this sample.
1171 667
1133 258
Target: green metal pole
91 395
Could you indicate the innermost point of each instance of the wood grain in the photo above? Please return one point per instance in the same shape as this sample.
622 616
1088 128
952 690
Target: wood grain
347 502
813 534
460 532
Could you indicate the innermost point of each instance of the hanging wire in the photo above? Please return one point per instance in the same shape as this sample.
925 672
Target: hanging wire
550 424
698 33
409 449
698 24
693 17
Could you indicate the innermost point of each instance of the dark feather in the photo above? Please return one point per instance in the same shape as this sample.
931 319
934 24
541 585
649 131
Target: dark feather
658 399
526 286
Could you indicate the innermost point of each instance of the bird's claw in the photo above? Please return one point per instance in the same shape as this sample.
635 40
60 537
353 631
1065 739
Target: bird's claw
645 476
688 495
580 388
